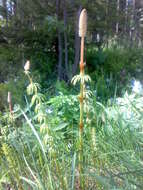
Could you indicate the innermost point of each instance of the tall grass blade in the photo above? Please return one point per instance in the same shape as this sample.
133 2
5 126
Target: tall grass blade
73 170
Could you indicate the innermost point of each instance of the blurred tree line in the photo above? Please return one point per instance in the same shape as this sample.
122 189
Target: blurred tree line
46 32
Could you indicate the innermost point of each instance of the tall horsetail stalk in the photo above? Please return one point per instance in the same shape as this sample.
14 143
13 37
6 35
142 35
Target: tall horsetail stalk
82 34
83 79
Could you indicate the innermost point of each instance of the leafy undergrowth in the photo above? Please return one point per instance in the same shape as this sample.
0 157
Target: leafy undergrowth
39 143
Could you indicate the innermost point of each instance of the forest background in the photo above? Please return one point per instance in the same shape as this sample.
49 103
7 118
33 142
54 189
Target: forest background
46 33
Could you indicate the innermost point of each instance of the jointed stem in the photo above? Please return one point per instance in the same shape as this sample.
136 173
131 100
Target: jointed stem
82 51
10 108
81 125
28 75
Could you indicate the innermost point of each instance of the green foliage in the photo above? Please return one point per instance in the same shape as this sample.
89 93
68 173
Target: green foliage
64 109
29 30
38 143
121 63
16 88
113 68
124 63
10 59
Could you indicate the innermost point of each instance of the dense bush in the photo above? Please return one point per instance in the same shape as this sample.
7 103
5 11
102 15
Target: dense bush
119 62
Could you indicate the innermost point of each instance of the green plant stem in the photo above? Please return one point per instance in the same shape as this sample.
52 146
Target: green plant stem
28 75
81 137
81 125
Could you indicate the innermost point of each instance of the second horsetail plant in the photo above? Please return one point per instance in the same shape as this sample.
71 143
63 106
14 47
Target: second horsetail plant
37 100
82 78
27 66
10 103
41 116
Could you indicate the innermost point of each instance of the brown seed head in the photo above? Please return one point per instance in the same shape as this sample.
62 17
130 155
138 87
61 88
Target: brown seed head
9 97
27 66
83 23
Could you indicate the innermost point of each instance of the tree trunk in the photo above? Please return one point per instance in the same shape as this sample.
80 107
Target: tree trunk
60 57
107 15
60 49
126 17
117 24
133 18
65 40
5 15
77 44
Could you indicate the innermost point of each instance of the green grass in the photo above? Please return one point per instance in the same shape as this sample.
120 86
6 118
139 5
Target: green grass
39 144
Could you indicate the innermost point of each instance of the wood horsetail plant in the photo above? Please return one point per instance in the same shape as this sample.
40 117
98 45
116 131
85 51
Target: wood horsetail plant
82 78
48 139
38 100
9 101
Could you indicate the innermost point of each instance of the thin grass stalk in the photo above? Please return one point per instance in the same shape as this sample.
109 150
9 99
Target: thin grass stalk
41 146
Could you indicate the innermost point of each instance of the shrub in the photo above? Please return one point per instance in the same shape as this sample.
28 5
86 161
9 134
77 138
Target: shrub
122 63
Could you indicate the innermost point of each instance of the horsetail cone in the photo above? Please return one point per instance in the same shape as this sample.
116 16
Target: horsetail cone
83 23
82 34
9 97
27 65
